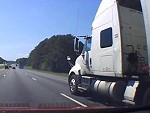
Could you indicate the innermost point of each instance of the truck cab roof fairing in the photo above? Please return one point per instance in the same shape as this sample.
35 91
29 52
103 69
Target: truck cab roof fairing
106 4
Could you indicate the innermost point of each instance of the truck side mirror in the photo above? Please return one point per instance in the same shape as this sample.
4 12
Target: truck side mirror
76 44
69 61
68 58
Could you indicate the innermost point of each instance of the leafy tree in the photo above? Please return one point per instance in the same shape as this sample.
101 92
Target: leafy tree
2 60
22 61
51 54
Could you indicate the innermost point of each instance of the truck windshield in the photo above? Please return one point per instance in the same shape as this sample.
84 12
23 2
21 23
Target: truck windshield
129 4
88 48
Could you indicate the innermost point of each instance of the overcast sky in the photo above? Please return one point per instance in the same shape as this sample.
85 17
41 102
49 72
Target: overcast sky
24 23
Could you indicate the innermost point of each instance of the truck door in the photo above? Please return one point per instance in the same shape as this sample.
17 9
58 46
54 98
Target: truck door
103 55
106 54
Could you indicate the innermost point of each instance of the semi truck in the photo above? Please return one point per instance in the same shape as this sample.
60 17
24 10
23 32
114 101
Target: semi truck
21 66
114 62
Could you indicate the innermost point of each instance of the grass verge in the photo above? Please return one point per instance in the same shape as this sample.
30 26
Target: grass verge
2 66
48 72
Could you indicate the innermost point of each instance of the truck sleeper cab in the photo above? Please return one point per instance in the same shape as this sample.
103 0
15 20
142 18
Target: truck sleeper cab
113 58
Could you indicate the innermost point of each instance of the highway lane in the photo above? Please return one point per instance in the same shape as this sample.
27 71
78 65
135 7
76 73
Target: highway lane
19 87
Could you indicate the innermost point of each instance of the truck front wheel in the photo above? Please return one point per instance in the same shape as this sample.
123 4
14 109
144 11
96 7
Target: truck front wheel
146 99
73 84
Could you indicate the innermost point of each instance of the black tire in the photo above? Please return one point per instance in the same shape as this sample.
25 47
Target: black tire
146 98
73 85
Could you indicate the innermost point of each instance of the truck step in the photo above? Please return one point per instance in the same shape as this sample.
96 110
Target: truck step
87 77
86 80
128 102
82 88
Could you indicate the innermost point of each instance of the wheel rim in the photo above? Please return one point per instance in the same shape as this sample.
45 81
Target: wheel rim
72 84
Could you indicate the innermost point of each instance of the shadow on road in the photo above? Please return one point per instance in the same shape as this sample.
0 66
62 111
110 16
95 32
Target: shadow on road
101 100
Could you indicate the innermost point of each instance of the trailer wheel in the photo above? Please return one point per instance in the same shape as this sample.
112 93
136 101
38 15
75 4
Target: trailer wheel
73 85
146 99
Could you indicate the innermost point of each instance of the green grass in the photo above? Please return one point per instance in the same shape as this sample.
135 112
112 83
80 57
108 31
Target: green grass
48 72
2 66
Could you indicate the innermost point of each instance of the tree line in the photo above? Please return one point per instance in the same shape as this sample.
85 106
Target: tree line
51 54
2 60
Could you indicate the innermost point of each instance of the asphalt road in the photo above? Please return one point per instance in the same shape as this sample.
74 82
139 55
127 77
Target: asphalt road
25 88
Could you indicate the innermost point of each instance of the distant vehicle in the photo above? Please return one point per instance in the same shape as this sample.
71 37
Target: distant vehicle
10 66
6 67
21 66
13 68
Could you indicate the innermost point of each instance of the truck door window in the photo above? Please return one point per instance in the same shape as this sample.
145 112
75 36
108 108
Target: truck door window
106 38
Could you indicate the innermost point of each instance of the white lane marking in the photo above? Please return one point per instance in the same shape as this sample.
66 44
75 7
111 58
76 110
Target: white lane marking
4 75
34 79
83 105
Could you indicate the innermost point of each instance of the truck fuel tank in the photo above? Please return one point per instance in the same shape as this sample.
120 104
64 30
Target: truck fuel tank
113 90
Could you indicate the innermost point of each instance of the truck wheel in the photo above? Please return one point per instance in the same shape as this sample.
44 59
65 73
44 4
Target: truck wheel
146 99
73 84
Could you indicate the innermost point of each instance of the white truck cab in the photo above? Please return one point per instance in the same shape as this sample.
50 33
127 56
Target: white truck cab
114 57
